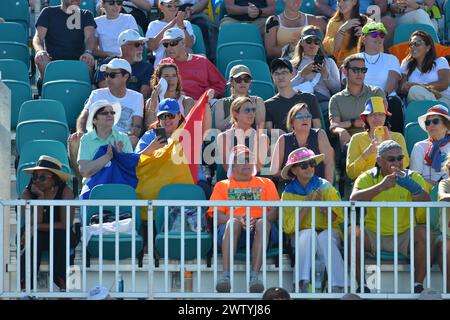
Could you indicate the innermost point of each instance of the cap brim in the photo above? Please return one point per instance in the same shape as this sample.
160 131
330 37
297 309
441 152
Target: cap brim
241 73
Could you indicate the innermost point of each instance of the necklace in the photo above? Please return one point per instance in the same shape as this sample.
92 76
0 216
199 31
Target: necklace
372 62
291 19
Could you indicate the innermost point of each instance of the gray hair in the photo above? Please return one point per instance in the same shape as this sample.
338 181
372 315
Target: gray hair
386 146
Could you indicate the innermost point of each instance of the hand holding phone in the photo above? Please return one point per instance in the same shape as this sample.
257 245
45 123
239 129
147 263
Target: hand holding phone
161 134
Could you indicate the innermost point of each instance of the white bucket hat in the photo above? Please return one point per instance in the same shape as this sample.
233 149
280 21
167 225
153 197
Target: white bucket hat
93 108
437 109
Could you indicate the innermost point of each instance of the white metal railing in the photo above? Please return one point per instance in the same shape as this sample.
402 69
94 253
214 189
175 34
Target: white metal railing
150 281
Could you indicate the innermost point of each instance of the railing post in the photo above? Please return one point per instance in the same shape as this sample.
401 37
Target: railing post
150 248
352 247
2 261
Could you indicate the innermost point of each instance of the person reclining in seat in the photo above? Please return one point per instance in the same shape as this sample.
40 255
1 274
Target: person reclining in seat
388 181
242 182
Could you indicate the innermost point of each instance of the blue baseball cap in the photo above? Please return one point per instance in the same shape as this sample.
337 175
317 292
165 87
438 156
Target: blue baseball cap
168 106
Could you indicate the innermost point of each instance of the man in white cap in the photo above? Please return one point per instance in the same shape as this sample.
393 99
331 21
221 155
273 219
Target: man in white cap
132 46
117 73
242 184
198 74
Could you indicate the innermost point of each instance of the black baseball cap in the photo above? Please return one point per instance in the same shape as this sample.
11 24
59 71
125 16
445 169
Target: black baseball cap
280 63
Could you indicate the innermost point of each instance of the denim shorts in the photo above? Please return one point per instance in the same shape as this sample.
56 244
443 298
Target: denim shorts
273 236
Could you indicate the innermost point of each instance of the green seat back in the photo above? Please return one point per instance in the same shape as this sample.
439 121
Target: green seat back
14 70
239 32
13 31
16 11
15 50
199 45
67 70
230 51
20 92
404 31
413 134
417 108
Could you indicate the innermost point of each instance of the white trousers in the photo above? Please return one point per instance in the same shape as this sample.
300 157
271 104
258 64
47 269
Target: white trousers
304 251
420 93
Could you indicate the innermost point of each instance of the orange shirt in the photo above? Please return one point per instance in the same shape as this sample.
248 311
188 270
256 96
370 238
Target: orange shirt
256 189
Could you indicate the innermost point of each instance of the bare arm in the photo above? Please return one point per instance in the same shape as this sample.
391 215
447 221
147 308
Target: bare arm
145 90
443 82
270 38
326 148
277 157
323 9
392 83
235 9
153 43
82 119
260 113
38 39
142 4
221 123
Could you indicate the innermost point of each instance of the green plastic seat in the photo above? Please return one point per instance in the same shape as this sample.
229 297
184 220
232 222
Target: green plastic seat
413 134
308 6
20 92
31 151
14 70
239 32
84 4
72 94
41 119
116 192
404 31
15 50
66 70
199 44
259 69
230 51
13 31
417 108
16 11
180 192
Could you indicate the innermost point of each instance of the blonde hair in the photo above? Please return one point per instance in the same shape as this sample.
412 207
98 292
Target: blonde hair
236 106
291 114
298 51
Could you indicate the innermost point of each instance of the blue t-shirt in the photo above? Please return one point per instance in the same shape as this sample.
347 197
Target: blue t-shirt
141 73
148 138
65 32
363 5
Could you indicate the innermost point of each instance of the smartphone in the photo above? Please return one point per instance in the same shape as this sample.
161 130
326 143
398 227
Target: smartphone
318 59
161 134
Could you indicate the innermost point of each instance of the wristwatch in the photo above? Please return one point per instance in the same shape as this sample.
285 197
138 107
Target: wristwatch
352 123
88 51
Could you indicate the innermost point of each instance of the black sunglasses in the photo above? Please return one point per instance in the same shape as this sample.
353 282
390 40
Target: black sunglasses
393 158
305 164
105 113
40 177
138 44
311 40
111 75
170 6
112 2
171 43
165 116
358 70
240 79
435 121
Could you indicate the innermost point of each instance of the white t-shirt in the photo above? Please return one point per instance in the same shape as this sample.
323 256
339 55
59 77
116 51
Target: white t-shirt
417 161
127 3
419 77
108 31
378 67
154 28
132 105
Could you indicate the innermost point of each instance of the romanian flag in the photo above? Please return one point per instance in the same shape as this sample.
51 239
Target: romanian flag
176 162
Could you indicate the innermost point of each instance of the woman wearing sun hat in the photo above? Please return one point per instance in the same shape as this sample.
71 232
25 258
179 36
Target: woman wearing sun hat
428 156
362 149
306 186
103 115
49 182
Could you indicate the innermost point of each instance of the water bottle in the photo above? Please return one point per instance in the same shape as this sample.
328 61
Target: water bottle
188 281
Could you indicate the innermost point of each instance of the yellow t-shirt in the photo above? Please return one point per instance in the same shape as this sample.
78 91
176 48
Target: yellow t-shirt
396 194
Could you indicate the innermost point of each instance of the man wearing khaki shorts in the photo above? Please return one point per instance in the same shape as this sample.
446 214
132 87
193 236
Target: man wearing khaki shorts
388 181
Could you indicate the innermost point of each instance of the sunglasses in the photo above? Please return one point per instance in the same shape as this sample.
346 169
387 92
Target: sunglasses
358 70
248 110
435 121
311 40
171 43
304 165
393 158
105 113
170 6
416 43
303 116
165 116
375 34
138 44
240 79
40 177
112 2
111 75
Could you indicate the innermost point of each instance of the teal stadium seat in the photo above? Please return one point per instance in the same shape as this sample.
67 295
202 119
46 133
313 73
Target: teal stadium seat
13 31
413 134
15 50
417 108
14 70
16 11
308 6
115 192
41 119
199 44
66 70
180 192
31 152
404 31
20 92
84 4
